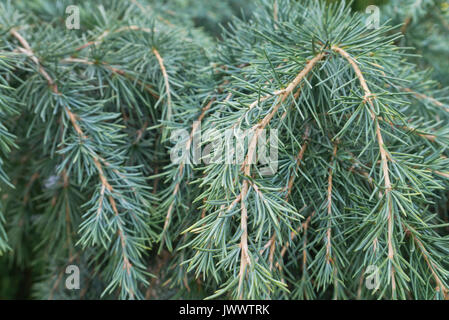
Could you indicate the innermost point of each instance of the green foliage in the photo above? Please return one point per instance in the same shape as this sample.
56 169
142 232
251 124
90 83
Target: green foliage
90 120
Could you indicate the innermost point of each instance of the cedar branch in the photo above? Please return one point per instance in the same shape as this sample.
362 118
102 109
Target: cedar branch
368 98
73 119
244 259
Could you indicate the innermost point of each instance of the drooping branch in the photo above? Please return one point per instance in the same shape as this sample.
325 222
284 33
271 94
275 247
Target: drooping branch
74 121
368 98
249 159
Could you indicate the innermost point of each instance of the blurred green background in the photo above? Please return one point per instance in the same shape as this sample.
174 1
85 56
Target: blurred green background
209 14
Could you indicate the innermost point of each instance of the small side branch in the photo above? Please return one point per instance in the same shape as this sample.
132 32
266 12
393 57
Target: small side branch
440 284
425 97
195 127
299 159
167 84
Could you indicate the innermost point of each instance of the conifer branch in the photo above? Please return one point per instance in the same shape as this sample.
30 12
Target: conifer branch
440 284
249 159
180 173
368 97
105 184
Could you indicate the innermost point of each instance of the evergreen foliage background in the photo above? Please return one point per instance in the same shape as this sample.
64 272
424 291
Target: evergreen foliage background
86 118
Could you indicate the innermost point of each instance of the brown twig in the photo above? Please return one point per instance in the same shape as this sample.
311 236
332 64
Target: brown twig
167 83
329 207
